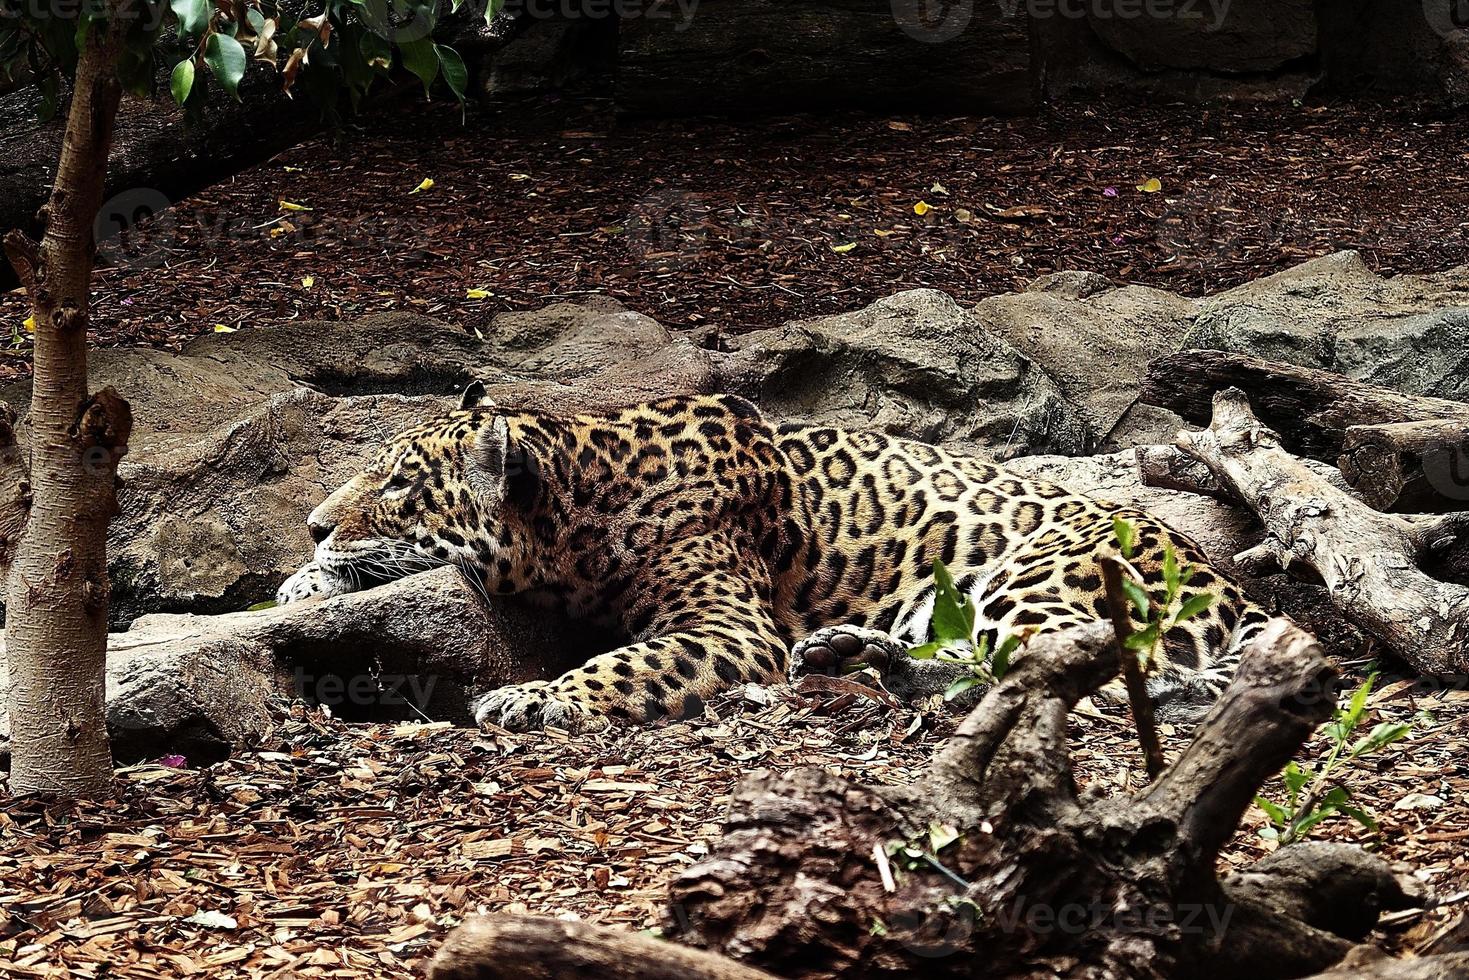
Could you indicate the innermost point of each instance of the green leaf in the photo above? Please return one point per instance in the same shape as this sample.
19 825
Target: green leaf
226 59
1357 705
181 82
1295 780
1302 825
1170 571
1001 664
1360 815
960 686
491 9
376 52
267 604
1138 596
1277 813
1143 639
926 651
1193 606
456 76
952 620
1382 735
420 59
193 15
50 87
1126 536
255 19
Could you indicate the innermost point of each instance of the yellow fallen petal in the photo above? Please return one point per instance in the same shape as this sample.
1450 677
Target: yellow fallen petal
291 206
277 232
921 208
423 185
308 281
881 232
291 170
30 323
520 176
843 249
478 294
1150 186
221 328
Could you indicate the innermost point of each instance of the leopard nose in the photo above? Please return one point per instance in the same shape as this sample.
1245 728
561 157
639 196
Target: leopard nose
320 530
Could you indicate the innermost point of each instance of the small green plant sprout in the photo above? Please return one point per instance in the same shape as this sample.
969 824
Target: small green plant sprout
922 852
1175 607
1311 794
951 632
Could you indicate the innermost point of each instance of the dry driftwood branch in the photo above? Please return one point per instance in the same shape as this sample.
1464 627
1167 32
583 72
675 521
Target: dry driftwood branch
1409 466
1311 409
506 947
1040 880
1369 561
1132 674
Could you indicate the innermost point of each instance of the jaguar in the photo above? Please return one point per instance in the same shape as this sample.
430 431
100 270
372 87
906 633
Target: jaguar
724 548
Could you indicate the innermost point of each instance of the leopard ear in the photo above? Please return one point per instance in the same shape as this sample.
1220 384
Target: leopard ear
485 464
475 396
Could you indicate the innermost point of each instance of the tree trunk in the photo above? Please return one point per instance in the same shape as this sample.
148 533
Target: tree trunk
57 588
1409 466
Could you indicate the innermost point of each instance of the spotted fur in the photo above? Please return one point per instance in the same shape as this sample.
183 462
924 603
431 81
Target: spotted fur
714 540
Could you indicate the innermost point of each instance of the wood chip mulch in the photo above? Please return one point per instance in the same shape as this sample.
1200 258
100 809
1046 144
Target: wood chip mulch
348 850
749 224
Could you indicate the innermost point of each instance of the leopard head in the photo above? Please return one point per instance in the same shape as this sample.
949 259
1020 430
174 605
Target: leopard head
430 497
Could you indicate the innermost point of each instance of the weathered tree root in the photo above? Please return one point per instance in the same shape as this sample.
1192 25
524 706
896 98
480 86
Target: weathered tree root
1370 562
1041 880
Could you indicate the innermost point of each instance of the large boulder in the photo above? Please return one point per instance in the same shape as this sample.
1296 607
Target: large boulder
421 647
915 364
1095 340
1406 332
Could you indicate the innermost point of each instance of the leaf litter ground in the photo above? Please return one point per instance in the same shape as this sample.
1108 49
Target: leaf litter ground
348 850
743 225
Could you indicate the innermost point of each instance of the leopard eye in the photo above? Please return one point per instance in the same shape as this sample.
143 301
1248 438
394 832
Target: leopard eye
398 481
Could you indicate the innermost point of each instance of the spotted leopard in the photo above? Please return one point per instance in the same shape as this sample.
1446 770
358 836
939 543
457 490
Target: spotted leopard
728 549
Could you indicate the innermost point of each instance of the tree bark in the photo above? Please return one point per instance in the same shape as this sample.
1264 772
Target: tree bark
1311 409
57 588
1312 524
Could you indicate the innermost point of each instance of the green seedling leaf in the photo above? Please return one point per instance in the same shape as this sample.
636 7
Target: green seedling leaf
953 614
1126 536
181 82
1193 606
226 59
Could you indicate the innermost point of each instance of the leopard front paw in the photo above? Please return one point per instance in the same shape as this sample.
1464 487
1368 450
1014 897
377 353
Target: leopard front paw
837 650
536 705
310 581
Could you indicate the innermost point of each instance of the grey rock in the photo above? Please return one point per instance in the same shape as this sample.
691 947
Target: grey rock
915 364
425 646
1410 333
1095 339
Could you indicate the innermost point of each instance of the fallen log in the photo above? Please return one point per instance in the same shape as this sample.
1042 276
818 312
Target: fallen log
1409 466
1310 408
504 946
1401 451
994 864
1370 562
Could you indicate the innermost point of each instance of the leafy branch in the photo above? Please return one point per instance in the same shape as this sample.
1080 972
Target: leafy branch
1311 796
951 638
